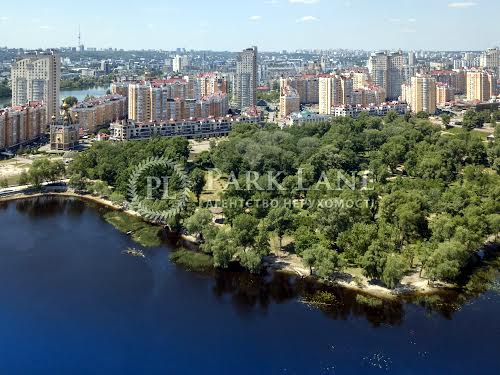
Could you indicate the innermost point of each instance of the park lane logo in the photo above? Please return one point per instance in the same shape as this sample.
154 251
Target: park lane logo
150 205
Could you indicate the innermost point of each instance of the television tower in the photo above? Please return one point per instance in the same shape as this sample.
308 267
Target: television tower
80 46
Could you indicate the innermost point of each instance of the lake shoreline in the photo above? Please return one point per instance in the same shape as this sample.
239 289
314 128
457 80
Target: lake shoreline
412 285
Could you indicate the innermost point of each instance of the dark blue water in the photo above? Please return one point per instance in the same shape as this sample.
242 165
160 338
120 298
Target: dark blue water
71 303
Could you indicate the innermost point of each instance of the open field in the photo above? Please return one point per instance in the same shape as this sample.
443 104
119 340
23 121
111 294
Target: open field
12 169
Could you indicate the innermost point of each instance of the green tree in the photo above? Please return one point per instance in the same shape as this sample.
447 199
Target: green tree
473 120
355 241
198 222
251 260
70 101
43 170
373 262
245 230
446 119
223 249
446 261
4 183
394 270
280 221
77 182
325 262
198 183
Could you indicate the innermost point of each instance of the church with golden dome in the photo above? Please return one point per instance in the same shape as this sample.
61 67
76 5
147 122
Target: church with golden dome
64 132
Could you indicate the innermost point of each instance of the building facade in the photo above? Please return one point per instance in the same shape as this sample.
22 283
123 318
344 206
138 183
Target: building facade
334 90
307 87
387 70
246 79
423 94
22 124
289 101
481 85
206 128
36 77
92 114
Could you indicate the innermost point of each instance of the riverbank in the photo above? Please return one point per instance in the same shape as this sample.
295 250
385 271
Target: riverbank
412 284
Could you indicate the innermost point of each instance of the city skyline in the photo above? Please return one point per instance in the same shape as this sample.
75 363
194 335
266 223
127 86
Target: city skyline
273 25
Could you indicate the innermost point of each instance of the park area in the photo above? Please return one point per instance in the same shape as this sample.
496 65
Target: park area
12 169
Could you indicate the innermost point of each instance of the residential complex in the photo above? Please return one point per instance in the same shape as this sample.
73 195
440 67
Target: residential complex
372 110
421 94
173 99
92 114
289 101
332 92
22 124
490 59
189 128
481 85
307 87
36 77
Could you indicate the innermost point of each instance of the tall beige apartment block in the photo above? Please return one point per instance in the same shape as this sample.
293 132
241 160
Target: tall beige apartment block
444 94
36 77
139 102
423 94
307 87
490 59
289 101
387 71
481 85
334 91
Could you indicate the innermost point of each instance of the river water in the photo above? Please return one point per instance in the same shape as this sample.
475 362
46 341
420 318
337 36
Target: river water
72 303
79 94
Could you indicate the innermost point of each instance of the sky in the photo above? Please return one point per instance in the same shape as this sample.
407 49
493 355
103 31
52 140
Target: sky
272 25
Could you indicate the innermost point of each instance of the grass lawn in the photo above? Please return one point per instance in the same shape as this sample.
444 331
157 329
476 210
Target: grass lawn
143 233
192 260
475 133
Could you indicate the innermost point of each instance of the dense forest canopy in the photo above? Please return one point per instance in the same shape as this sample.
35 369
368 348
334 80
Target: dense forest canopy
432 201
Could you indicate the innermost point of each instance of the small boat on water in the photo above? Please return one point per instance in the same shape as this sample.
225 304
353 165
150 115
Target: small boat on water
134 252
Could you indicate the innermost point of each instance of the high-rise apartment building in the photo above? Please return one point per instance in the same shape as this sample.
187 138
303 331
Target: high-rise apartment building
490 59
481 85
246 79
97 112
289 101
387 71
208 84
423 94
444 94
172 99
334 90
455 79
307 87
179 63
36 77
22 124
139 102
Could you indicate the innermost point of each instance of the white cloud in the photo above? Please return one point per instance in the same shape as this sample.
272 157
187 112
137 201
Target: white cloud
271 2
463 4
45 27
255 18
395 20
408 31
3 18
307 2
150 26
308 19
412 20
